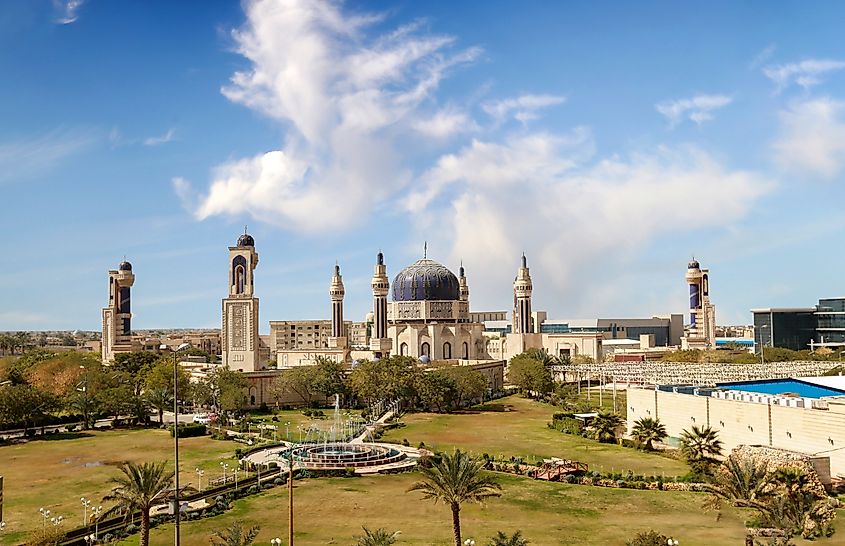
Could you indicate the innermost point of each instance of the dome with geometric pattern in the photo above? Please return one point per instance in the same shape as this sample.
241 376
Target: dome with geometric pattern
426 280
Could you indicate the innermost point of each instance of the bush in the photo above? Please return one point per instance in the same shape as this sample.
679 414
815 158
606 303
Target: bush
278 481
189 430
131 529
252 490
349 471
648 538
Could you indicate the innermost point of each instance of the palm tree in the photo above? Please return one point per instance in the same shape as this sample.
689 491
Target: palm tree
606 426
456 479
743 482
647 430
379 537
700 445
501 539
140 488
235 535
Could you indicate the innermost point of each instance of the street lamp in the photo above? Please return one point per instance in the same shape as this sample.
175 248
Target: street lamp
237 470
762 347
176 511
90 539
44 514
469 542
224 466
85 505
199 478
287 430
276 541
57 520
2 525
96 511
672 542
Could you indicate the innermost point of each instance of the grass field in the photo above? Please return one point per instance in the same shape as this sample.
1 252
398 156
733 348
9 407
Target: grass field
331 511
57 472
522 431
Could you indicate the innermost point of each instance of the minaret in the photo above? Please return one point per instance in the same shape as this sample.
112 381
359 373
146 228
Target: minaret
117 317
239 335
701 333
336 291
462 284
522 288
380 344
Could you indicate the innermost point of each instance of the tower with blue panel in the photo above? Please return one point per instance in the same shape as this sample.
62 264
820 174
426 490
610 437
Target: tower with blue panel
701 332
117 316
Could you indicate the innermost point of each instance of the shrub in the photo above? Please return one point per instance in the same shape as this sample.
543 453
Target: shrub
131 529
267 486
648 538
253 489
349 471
278 481
189 430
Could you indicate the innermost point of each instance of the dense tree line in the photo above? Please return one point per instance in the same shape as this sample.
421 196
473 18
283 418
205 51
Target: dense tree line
43 387
396 377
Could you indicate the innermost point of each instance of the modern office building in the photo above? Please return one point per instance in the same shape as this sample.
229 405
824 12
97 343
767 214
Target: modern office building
800 328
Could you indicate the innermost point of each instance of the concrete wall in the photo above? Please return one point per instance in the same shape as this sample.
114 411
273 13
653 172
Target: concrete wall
817 432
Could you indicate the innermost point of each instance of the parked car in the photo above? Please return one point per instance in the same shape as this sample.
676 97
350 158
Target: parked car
202 418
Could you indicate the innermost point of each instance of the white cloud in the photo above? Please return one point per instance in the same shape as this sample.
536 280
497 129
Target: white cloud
697 109
523 108
812 137
169 136
25 158
350 102
575 219
806 73
446 123
764 55
68 10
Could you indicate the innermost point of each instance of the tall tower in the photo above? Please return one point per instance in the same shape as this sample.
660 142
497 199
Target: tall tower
380 344
701 333
239 335
117 317
522 289
462 284
336 291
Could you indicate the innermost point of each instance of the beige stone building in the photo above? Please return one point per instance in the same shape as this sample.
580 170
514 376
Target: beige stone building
812 426
240 345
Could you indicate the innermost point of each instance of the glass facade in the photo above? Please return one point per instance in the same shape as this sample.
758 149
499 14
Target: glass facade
787 328
831 321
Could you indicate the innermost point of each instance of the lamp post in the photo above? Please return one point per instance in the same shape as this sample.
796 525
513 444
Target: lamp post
672 542
224 466
177 512
96 511
90 539
85 505
199 478
2 526
237 470
287 431
276 542
57 520
762 347
44 514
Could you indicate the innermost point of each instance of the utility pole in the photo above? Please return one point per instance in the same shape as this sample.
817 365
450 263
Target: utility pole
290 496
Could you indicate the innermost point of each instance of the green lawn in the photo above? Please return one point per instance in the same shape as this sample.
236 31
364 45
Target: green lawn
522 431
56 473
331 511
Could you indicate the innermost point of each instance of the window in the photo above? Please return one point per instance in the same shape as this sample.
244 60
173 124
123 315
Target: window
466 350
403 349
425 349
447 350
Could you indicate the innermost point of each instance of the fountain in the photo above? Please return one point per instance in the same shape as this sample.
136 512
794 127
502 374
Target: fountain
344 445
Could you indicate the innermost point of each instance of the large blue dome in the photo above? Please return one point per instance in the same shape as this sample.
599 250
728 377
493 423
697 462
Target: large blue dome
425 280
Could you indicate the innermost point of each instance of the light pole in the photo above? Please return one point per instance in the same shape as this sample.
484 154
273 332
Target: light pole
276 542
224 466
90 539
57 520
2 526
199 478
85 505
762 348
287 430
469 542
177 512
672 542
97 511
44 514
237 470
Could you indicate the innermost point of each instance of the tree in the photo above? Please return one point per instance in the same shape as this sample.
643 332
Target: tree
159 378
436 391
647 430
227 390
329 377
700 446
379 537
470 384
301 380
159 398
606 426
235 534
389 378
456 479
530 375
501 539
137 364
26 405
139 488
741 482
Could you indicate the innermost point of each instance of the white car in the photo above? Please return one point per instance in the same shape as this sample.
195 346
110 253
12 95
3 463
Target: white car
202 418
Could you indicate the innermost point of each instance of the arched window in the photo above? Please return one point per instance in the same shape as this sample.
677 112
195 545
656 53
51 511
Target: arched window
239 274
251 402
425 349
403 349
447 350
466 350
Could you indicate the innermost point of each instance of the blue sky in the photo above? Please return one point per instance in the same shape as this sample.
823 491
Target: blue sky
608 142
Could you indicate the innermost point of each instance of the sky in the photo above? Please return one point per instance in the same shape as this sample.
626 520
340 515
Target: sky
610 142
